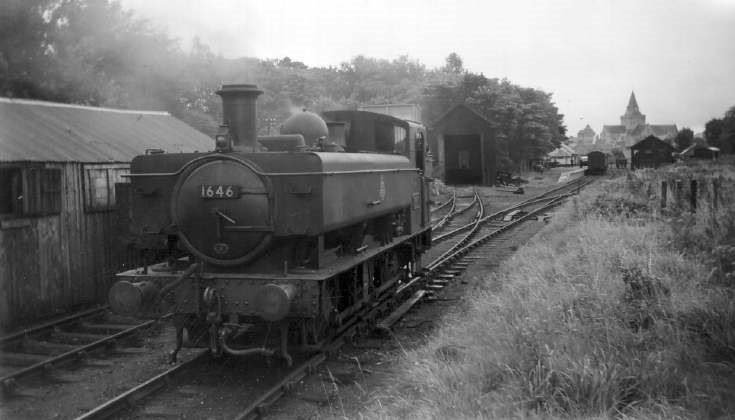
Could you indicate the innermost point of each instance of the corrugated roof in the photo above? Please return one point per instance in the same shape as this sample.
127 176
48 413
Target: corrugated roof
53 132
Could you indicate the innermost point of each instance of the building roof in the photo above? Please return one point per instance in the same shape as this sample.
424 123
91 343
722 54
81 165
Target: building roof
561 151
663 130
651 142
587 131
638 130
689 151
457 107
52 132
613 129
411 112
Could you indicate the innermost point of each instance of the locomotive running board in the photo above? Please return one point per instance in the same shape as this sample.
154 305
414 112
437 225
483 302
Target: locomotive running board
341 265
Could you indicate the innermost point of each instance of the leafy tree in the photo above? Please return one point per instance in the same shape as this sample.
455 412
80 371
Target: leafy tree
94 52
453 64
720 132
526 122
684 138
24 49
713 129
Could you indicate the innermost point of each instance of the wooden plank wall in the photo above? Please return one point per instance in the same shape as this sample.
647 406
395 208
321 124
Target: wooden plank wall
51 264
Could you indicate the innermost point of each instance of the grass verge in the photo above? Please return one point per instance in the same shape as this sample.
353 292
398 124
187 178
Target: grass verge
612 311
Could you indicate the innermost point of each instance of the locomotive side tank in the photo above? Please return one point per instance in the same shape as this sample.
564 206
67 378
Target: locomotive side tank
278 194
294 236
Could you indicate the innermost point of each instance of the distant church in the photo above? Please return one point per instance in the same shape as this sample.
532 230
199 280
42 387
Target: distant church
632 129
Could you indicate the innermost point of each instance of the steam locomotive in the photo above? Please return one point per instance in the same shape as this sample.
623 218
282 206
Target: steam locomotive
596 163
274 243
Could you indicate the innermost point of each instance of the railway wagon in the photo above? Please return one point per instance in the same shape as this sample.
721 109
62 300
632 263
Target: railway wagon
596 163
284 233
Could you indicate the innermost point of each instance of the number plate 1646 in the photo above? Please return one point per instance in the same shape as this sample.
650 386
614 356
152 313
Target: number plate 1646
220 191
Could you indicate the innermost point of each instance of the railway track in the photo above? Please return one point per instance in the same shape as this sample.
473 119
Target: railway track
443 212
460 206
54 344
237 399
444 205
480 236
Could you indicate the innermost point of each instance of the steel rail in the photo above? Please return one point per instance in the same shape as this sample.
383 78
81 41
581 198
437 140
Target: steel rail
147 388
131 397
458 251
478 215
360 319
9 380
451 256
444 204
454 212
475 226
257 408
554 200
452 203
54 323
539 197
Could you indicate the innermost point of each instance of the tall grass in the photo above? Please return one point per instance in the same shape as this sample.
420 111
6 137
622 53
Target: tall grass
610 312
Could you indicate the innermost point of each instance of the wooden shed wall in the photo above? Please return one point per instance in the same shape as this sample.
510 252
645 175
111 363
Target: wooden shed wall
49 264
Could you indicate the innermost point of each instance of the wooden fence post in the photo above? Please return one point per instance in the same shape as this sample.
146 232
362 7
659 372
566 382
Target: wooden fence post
663 194
693 195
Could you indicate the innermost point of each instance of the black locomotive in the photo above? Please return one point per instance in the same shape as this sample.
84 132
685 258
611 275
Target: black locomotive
596 163
292 234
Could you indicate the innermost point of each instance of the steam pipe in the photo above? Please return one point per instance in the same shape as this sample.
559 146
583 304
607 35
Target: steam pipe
243 352
174 284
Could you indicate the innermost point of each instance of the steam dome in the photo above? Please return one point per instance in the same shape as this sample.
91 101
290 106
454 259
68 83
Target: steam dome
308 124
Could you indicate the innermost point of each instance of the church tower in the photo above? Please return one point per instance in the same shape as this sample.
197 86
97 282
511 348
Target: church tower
632 117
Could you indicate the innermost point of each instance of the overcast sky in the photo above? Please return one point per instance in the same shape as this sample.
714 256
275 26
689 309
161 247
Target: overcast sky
678 56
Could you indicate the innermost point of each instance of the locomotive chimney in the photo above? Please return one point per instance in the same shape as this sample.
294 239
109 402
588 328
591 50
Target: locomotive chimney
238 107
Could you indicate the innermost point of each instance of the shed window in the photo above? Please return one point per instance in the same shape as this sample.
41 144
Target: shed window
30 191
11 191
100 187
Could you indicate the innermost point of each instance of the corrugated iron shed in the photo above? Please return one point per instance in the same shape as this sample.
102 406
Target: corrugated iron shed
52 132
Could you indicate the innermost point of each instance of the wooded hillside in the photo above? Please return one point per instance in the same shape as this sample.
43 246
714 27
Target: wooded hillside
96 53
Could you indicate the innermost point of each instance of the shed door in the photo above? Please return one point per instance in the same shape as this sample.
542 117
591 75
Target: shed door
463 159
